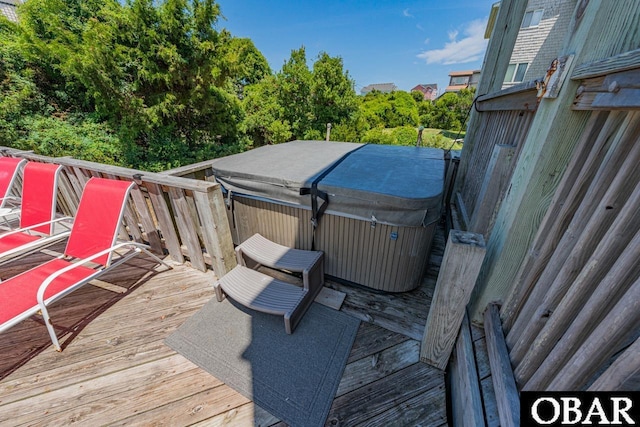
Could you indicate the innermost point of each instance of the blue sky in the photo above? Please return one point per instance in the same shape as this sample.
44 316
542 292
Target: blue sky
401 42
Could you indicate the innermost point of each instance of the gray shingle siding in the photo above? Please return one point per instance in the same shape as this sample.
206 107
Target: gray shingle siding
539 45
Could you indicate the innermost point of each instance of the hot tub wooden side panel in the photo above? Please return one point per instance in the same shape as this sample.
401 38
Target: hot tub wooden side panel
383 257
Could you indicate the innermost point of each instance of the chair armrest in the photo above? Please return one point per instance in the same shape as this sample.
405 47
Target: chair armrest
45 284
22 230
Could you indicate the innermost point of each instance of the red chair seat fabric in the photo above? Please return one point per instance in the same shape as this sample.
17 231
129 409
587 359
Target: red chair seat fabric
16 240
18 294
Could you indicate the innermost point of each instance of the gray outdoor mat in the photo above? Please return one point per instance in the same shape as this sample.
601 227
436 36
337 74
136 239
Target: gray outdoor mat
294 377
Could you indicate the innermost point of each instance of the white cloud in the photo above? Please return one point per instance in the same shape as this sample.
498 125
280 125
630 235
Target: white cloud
406 13
420 27
468 49
426 41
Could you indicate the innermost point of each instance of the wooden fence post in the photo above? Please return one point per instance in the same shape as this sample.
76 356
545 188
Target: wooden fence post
493 188
466 399
504 383
215 229
625 368
461 264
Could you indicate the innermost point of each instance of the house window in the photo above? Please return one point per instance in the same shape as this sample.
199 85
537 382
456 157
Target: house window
515 72
532 18
455 81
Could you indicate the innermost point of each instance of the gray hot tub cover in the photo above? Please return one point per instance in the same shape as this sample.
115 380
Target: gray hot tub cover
389 184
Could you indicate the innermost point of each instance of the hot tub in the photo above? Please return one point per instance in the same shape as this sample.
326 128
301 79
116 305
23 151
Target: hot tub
372 209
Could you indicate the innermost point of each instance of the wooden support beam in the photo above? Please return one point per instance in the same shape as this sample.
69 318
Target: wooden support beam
461 263
603 343
523 97
494 186
617 91
615 64
186 227
466 401
591 225
599 29
165 223
623 374
150 228
462 210
501 373
583 304
575 182
216 232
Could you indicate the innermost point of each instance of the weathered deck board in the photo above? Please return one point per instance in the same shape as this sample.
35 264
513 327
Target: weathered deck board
371 339
373 399
116 369
378 365
422 410
248 414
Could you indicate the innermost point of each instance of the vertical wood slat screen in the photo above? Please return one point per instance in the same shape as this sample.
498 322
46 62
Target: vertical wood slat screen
503 119
575 306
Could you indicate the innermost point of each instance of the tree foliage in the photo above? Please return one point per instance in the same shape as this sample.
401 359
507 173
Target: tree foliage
155 84
298 102
393 109
159 73
449 111
246 64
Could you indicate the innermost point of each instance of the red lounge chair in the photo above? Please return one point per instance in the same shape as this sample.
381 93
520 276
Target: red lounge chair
9 168
38 212
88 254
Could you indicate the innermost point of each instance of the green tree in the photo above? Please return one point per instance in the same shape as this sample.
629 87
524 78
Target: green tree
417 96
76 135
246 64
264 122
374 107
390 110
332 92
50 36
298 102
19 94
156 70
450 110
404 110
425 113
294 93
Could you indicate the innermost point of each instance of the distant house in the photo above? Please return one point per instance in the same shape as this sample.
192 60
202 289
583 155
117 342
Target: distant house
429 90
542 32
459 80
8 9
380 87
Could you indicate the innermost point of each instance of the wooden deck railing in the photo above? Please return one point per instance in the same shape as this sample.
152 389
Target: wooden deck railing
505 119
187 217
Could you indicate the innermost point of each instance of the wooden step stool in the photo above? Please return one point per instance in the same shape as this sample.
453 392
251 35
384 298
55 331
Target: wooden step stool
261 292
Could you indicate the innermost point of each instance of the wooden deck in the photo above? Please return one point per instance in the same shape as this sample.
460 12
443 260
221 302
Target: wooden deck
116 370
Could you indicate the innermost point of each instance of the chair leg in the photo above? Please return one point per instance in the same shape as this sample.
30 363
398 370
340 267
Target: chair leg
49 325
157 258
220 295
